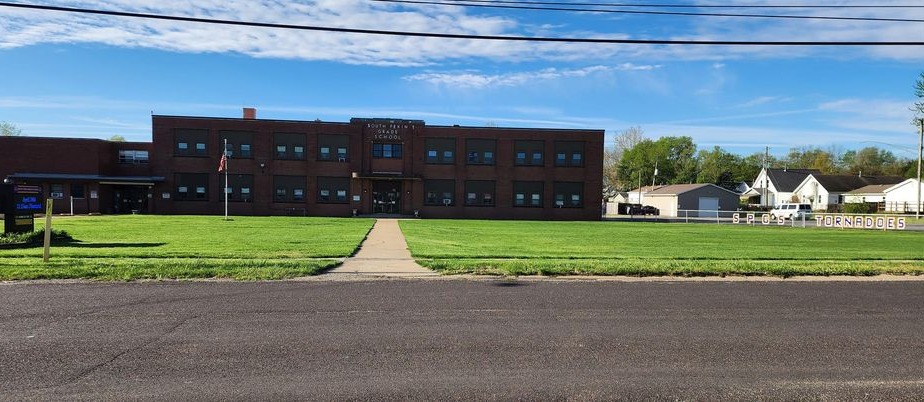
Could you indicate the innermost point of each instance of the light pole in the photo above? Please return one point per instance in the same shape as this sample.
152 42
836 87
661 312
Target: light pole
917 209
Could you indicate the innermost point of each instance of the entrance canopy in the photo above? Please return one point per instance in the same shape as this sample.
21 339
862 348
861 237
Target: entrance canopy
117 180
384 176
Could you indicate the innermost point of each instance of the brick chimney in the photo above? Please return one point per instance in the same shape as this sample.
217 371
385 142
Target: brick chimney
250 113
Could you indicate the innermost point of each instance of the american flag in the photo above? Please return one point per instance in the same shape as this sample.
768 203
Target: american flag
223 164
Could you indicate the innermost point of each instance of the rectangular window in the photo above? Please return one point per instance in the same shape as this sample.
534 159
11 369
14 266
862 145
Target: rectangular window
57 191
568 194
333 189
77 190
439 192
529 152
527 193
200 193
238 142
441 150
387 151
289 188
182 189
479 192
333 147
190 142
480 151
569 153
289 145
135 157
240 185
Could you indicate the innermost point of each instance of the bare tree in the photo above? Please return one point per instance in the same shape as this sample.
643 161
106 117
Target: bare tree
628 139
8 129
918 107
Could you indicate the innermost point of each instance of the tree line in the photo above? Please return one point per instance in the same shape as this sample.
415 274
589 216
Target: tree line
633 160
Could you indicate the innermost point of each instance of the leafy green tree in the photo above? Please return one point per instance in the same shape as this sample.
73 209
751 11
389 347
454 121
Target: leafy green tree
719 167
811 158
117 138
677 155
674 157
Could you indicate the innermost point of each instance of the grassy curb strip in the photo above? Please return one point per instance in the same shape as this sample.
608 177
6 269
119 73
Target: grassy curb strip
188 247
656 267
123 269
648 249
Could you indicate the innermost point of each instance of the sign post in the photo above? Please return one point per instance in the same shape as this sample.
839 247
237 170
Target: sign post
48 210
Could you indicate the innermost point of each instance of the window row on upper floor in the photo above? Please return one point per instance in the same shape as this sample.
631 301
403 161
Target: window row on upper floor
336 147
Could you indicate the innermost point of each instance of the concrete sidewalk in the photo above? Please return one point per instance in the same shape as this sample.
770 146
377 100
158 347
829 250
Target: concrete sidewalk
383 253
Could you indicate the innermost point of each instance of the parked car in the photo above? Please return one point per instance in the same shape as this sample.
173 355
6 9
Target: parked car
790 211
637 209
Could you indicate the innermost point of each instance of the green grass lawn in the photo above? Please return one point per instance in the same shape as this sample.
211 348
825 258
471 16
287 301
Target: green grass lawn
638 248
161 247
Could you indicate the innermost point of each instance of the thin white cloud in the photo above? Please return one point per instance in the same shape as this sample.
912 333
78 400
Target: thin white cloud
472 79
763 100
30 27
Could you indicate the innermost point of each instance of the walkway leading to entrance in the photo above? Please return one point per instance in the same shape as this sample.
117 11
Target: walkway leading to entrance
383 253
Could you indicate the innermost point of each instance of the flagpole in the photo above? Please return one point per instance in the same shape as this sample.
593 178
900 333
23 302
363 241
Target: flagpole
225 155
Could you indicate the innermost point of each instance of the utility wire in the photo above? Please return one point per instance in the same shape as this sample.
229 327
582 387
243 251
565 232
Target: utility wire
466 3
455 36
642 5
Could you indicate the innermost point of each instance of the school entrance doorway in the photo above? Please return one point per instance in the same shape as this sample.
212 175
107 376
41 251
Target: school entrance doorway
386 197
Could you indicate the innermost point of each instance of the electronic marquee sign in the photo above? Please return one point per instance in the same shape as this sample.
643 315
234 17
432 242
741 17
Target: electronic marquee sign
20 203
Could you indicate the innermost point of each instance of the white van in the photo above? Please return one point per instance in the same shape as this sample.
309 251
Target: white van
790 211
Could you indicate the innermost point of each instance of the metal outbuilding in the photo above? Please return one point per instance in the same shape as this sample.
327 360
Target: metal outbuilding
692 200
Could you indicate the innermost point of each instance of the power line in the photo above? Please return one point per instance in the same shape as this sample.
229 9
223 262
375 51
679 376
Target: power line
456 36
481 4
642 5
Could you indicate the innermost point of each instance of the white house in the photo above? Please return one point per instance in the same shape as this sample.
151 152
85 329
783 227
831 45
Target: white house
867 194
774 186
825 191
637 196
903 197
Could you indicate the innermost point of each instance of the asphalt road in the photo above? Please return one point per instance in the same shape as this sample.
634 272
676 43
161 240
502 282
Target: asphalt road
462 340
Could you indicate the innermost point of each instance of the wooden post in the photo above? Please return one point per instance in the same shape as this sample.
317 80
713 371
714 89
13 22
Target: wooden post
48 210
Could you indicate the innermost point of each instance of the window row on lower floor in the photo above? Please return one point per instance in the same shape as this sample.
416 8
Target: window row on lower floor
194 186
524 193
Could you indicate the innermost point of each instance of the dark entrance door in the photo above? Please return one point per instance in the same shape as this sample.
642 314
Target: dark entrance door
386 197
130 199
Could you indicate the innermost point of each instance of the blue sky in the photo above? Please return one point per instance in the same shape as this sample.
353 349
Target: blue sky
76 75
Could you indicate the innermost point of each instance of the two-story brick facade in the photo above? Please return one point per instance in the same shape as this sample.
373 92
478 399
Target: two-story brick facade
363 167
